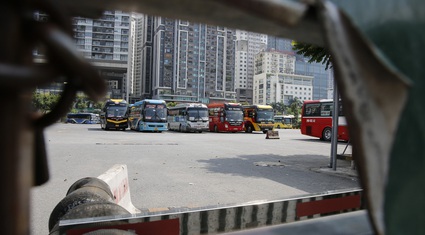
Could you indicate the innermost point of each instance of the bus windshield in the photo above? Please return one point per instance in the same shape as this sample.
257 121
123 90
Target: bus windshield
232 115
155 112
116 111
197 114
264 115
287 120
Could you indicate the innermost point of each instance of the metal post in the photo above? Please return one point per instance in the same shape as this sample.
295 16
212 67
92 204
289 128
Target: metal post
16 145
335 115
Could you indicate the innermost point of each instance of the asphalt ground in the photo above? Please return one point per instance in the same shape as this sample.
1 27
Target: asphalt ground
173 169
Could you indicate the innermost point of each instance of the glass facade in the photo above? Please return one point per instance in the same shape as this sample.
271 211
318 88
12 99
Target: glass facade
321 77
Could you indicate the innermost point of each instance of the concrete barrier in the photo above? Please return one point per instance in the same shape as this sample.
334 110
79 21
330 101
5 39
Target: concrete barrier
117 179
231 218
272 135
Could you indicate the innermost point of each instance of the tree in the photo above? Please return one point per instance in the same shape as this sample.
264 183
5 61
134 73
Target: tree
295 109
82 104
171 104
44 102
280 107
314 53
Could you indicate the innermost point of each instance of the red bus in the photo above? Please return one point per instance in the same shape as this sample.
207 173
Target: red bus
226 117
316 120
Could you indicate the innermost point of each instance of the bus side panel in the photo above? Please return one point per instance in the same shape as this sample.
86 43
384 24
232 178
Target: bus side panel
314 126
343 133
215 121
152 126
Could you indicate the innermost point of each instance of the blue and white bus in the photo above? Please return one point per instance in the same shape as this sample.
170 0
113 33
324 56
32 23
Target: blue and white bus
82 118
148 115
188 117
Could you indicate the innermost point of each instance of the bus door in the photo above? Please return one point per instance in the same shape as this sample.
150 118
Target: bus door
249 118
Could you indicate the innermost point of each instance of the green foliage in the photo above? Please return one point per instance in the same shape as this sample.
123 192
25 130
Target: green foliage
279 108
171 104
44 102
83 104
315 53
295 109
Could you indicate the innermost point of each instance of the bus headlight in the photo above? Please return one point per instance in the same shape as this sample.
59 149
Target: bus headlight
226 126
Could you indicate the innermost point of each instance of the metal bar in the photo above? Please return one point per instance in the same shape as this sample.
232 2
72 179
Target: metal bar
334 140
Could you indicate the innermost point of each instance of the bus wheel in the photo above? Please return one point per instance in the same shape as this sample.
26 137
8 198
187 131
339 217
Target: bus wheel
249 129
215 128
278 126
327 134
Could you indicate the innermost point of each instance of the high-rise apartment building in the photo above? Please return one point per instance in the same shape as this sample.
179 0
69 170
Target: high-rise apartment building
105 43
190 61
275 79
248 44
140 62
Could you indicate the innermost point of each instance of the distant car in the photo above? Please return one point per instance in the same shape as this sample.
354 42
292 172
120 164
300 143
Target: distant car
83 118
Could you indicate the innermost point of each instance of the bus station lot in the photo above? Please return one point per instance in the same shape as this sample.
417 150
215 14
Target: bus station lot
173 169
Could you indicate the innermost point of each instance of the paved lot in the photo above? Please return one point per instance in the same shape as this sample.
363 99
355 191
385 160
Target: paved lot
173 169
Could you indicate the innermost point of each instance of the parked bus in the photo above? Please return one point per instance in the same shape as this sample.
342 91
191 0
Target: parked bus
258 118
283 121
188 117
226 117
148 115
82 118
114 115
316 120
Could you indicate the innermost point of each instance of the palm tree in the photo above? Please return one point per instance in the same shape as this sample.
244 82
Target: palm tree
315 53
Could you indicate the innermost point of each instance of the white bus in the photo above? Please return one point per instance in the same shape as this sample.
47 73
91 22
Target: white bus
188 117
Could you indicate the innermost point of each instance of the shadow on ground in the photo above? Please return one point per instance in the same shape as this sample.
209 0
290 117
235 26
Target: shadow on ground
309 173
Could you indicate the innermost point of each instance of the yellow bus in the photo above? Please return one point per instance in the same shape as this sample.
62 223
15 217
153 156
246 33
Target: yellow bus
258 118
283 121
